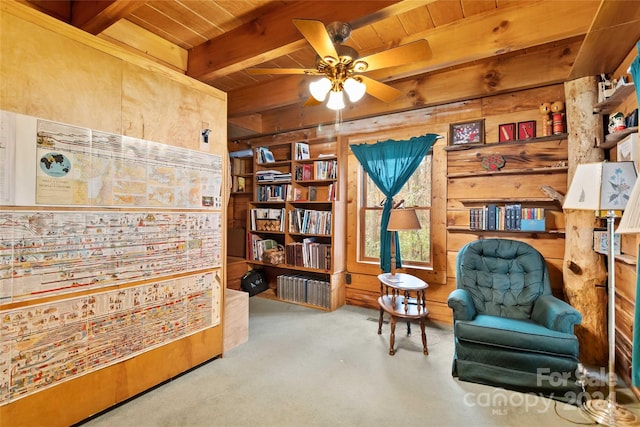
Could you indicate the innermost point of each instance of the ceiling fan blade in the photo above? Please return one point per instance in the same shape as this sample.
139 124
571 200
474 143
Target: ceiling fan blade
281 71
317 36
380 90
416 51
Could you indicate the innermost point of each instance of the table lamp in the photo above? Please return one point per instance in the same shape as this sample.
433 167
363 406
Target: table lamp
605 188
400 219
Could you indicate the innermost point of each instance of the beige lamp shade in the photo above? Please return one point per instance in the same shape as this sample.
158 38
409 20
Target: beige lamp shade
403 219
601 186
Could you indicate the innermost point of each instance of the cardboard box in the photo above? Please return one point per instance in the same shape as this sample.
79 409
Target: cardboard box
601 242
235 324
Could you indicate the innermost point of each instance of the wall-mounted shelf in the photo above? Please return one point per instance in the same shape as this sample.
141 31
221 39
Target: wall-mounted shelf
612 139
460 229
610 104
459 147
508 200
560 169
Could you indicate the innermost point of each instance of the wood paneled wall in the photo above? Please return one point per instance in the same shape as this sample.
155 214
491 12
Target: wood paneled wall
60 73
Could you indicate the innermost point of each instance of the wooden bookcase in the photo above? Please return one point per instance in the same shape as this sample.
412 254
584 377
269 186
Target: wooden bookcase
241 175
308 190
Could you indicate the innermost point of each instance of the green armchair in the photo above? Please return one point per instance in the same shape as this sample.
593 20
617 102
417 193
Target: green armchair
509 330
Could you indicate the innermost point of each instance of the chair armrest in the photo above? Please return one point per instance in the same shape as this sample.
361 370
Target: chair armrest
462 305
555 314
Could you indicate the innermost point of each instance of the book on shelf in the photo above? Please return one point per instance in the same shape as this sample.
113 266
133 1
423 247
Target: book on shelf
510 217
331 192
264 155
302 150
313 193
299 288
267 219
325 169
240 184
270 175
273 193
309 221
298 194
258 246
238 166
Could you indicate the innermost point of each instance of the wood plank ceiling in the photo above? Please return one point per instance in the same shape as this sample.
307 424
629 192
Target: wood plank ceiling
480 47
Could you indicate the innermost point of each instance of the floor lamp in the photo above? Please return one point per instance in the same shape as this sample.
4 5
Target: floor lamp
605 189
400 220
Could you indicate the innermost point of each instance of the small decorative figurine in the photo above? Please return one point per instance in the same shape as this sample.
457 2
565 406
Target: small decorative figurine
545 110
616 122
557 109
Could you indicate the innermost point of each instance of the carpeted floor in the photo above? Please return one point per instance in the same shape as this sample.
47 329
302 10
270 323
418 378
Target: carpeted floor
307 367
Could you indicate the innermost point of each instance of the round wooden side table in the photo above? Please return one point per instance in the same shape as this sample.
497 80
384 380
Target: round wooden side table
402 296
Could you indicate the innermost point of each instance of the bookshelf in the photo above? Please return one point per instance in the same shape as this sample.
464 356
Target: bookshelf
482 202
242 174
298 204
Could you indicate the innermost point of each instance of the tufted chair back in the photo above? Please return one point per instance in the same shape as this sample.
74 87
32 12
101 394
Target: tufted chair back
504 277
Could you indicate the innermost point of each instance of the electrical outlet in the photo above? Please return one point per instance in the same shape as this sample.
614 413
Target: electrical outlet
348 278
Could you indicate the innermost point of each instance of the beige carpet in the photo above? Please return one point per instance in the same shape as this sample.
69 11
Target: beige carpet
303 367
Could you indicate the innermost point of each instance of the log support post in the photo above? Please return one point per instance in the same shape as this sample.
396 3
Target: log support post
584 272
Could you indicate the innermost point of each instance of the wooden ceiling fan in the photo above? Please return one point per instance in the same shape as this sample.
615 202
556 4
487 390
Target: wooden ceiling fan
341 66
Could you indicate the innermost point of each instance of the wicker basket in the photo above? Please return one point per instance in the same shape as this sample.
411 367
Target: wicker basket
274 256
268 225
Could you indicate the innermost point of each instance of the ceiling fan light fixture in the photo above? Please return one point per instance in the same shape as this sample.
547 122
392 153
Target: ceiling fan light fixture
320 88
355 89
336 100
360 66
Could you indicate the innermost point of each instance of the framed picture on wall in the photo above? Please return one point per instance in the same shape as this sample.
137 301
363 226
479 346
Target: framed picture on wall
507 132
467 132
527 130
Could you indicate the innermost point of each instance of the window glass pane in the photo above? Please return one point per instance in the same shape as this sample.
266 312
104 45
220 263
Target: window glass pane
417 191
415 245
414 192
372 233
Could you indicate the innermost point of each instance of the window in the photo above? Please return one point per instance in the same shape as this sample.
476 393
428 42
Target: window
415 245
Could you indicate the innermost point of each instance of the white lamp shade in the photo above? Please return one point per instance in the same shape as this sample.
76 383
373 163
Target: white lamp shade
355 89
403 219
630 222
320 88
601 186
336 100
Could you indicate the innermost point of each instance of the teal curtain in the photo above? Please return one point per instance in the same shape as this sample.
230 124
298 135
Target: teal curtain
390 164
635 362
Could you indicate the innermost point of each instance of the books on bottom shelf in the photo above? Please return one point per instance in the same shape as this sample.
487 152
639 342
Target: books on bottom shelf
308 253
510 217
304 289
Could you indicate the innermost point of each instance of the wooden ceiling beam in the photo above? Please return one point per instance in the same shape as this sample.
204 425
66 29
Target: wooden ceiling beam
96 16
476 38
613 32
274 35
490 77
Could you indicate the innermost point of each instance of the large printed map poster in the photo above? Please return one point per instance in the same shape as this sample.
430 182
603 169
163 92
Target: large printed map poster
45 344
57 252
77 166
